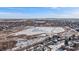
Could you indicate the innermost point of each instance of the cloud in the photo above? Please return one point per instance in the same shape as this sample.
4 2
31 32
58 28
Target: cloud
12 15
66 13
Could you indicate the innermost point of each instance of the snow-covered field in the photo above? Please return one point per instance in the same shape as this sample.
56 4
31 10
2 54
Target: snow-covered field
40 30
25 43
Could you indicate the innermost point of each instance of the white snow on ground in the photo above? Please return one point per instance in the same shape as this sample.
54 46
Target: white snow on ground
55 47
22 44
40 30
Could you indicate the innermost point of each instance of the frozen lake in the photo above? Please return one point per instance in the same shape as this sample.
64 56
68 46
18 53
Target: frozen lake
40 30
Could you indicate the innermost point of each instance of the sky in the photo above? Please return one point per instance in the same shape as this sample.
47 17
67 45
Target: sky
39 12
